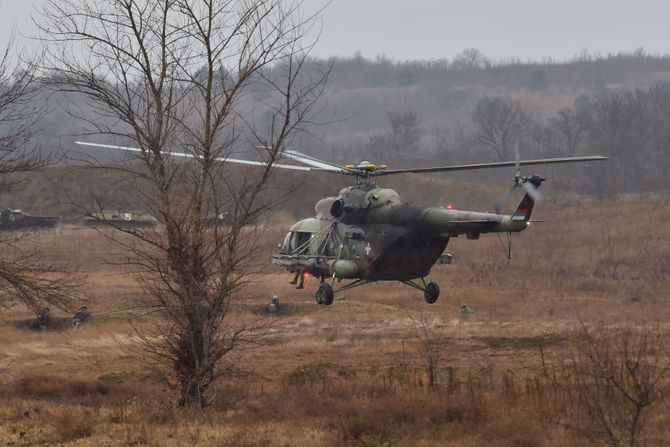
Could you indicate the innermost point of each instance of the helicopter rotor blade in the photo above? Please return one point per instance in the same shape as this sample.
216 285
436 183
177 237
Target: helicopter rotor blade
192 156
502 164
532 191
517 160
315 162
502 204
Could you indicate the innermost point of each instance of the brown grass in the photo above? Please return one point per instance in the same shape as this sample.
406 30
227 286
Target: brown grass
353 373
53 387
72 426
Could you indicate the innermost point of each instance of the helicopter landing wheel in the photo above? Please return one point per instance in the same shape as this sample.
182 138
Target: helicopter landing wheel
432 292
325 294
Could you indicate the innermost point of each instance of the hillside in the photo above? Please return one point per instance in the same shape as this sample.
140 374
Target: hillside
420 113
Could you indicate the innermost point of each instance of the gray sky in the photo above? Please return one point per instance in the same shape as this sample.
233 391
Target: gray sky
434 29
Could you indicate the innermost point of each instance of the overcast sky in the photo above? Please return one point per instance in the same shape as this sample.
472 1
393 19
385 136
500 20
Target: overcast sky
435 29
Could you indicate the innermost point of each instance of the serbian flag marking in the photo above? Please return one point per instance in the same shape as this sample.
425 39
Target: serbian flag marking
520 214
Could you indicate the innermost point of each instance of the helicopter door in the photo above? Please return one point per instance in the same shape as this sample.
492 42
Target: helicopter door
355 245
296 240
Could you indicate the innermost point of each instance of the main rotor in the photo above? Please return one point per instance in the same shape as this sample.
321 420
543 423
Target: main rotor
365 171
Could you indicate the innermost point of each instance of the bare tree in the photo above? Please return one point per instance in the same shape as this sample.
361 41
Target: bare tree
23 276
499 125
611 382
191 77
470 59
430 338
570 125
631 126
401 139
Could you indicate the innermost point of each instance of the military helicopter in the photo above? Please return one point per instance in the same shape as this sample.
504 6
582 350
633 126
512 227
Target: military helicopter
367 234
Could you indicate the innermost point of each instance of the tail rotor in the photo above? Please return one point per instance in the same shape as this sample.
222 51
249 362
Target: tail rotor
529 184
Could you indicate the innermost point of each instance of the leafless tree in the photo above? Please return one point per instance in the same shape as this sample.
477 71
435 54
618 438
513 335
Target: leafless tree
194 77
401 139
570 125
470 59
23 276
631 127
611 382
430 338
499 125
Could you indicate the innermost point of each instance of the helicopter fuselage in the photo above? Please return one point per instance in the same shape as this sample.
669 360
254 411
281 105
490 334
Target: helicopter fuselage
368 233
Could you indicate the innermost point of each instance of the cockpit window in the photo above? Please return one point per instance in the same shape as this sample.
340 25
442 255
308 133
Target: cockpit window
286 245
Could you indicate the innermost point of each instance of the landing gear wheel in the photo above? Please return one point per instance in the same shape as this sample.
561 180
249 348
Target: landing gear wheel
432 292
325 294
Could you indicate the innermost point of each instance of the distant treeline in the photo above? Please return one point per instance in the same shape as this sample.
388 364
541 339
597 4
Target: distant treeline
472 109
416 113
471 67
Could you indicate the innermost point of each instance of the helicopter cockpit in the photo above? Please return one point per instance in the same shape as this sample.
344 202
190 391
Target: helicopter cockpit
303 238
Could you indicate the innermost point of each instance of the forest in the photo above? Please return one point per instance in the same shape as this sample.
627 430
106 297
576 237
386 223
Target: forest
471 109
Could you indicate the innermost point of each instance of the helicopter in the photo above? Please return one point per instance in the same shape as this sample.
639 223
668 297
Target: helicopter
367 234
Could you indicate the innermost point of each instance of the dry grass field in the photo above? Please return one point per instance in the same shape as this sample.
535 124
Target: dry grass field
356 373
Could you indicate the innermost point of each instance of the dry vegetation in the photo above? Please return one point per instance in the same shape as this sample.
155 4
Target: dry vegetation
519 371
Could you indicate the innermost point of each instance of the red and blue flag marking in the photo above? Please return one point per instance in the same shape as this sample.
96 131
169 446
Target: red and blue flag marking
520 214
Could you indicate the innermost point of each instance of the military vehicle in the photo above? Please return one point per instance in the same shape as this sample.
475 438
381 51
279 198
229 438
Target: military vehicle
121 219
221 219
367 234
16 219
140 219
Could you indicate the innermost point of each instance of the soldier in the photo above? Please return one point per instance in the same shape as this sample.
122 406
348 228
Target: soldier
466 310
81 316
274 307
299 274
43 319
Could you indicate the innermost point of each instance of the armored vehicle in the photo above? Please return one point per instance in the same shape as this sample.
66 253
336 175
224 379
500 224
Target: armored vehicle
121 219
15 219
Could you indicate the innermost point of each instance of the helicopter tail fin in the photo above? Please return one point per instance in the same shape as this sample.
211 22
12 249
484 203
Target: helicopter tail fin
525 207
